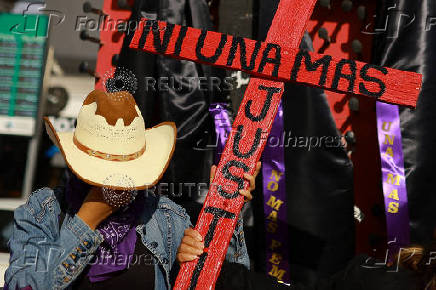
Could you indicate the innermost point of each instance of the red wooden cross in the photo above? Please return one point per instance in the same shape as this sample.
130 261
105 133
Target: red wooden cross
275 61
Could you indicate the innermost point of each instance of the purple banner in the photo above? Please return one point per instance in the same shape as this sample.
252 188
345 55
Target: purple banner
393 178
223 127
274 191
275 209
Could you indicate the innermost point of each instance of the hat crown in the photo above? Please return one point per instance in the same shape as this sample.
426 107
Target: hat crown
111 123
113 106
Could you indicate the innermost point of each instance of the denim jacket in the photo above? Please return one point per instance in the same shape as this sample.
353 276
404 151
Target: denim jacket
47 255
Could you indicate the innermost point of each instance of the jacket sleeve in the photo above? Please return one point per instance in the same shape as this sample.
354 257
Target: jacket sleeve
237 251
44 255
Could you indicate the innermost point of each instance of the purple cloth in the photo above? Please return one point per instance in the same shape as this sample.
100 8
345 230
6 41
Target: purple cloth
275 207
223 127
393 178
118 230
22 288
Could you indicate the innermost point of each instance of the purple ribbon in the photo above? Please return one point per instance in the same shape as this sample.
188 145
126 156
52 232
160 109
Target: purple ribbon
223 127
393 178
275 208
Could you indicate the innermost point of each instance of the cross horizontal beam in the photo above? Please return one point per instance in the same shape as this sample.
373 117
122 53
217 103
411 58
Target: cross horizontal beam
277 62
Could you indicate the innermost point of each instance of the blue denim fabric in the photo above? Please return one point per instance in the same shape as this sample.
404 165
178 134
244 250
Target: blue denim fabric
45 255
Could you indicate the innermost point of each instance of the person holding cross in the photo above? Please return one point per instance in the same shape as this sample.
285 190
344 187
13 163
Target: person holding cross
104 229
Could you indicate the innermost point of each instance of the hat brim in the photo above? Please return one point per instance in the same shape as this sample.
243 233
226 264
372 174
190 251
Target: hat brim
140 173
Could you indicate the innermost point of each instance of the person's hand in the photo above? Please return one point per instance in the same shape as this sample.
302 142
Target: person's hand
94 209
191 247
251 179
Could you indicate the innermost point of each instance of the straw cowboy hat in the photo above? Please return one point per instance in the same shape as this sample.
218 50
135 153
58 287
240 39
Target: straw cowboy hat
110 146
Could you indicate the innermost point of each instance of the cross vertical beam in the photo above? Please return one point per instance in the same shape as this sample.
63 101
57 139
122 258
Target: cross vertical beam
243 149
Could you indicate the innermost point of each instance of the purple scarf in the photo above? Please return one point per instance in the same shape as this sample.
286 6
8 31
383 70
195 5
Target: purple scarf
118 230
